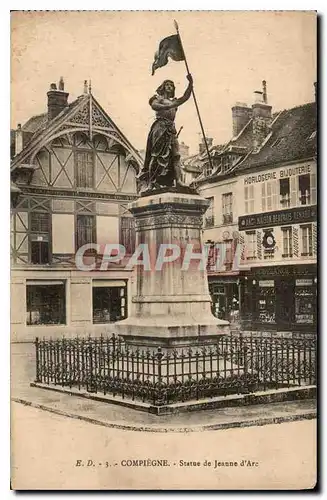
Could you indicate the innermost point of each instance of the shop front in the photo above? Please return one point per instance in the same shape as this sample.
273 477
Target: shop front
225 297
282 298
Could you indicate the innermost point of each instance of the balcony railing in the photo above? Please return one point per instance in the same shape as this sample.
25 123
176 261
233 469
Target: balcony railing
209 221
227 218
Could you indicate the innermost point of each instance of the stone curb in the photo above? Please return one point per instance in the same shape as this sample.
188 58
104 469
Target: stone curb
231 400
131 427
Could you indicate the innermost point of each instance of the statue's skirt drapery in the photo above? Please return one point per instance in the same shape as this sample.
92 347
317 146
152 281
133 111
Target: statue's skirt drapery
162 152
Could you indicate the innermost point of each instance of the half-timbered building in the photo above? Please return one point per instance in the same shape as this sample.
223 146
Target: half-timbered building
73 173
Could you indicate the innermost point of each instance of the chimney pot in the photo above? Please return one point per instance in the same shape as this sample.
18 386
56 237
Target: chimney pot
264 91
53 86
61 84
18 139
258 96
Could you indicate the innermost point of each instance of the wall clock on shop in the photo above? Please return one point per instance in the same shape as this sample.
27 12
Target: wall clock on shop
268 240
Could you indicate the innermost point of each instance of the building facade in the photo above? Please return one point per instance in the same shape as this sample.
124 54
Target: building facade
263 195
73 173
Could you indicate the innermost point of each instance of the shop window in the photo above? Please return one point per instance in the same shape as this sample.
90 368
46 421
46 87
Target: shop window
85 230
304 301
225 301
267 301
209 220
304 189
250 245
40 237
284 191
127 234
287 242
249 198
109 302
84 168
46 303
306 238
227 202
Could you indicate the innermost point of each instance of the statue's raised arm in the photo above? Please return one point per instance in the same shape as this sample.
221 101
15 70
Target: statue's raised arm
162 159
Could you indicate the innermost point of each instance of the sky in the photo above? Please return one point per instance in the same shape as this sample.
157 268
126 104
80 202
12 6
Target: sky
229 54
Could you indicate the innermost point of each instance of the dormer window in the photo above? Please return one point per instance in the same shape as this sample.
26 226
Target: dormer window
207 170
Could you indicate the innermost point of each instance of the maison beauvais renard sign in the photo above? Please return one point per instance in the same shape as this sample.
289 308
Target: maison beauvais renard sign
296 215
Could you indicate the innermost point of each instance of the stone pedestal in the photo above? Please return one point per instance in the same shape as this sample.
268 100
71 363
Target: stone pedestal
171 305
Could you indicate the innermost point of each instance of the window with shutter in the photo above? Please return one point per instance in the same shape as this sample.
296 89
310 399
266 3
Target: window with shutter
84 165
39 238
306 234
85 231
294 197
263 197
127 234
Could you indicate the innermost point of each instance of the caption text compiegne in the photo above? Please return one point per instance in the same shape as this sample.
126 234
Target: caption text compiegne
150 462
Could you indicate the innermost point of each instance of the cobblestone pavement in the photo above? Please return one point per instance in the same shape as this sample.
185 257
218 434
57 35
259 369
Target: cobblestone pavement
46 449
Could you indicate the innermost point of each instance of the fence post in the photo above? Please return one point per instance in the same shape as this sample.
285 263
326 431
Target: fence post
245 368
160 396
37 359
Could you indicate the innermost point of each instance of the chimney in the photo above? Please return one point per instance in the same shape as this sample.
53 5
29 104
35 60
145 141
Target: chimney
57 99
202 146
18 139
261 114
316 90
241 114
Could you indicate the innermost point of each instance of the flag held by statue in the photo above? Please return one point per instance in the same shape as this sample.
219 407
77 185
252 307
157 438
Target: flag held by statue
168 47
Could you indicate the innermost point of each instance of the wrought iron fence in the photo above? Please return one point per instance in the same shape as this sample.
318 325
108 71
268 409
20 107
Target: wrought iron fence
230 365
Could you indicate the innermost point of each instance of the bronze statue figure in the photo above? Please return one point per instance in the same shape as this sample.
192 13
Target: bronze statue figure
162 164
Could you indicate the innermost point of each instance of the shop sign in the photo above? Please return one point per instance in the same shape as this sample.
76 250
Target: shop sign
283 173
275 271
267 283
296 215
302 282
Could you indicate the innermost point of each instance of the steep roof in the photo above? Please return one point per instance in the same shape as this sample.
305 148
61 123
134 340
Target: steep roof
35 122
38 128
292 137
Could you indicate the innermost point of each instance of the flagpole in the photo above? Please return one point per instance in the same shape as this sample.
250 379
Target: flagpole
194 98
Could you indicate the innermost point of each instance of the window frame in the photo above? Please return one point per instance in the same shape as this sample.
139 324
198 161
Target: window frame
249 198
124 296
309 244
32 234
84 151
94 232
64 305
289 240
227 207
250 255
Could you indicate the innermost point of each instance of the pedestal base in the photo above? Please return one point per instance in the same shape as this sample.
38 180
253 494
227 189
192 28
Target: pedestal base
172 304
170 331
